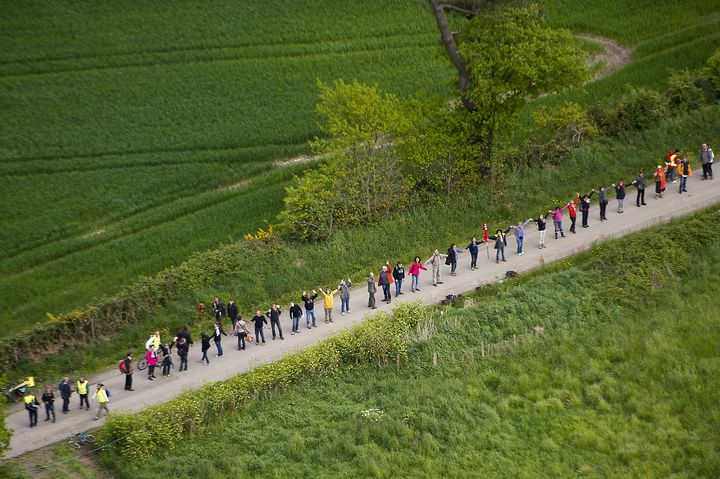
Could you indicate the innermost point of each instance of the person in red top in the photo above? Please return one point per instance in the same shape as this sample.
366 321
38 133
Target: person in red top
414 272
573 212
660 181
152 359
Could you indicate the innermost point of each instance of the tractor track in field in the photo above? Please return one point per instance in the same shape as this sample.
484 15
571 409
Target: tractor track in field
614 55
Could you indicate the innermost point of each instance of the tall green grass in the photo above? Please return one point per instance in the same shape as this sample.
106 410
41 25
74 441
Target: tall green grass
621 383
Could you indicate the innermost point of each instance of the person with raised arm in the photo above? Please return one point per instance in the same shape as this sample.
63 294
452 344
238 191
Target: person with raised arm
500 242
414 271
520 234
541 221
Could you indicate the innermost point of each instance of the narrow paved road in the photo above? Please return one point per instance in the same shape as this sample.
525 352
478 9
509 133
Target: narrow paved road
701 195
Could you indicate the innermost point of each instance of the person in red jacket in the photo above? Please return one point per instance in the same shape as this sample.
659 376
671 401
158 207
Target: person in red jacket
152 359
414 272
572 211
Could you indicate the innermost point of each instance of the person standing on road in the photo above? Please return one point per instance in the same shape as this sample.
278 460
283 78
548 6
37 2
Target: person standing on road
167 360
183 349
585 208
344 288
205 347
660 181
706 159
217 335
671 162
414 271
500 242
398 275
31 405
372 289
557 216
520 234
541 221
602 202
328 303
242 332
435 261
684 171
274 315
259 320
453 250
152 359
620 195
103 398
232 312
65 393
639 183
309 302
474 249
295 314
48 399
218 308
82 390
572 212
383 281
128 371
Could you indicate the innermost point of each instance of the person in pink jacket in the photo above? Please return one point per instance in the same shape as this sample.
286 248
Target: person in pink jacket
557 215
152 360
414 272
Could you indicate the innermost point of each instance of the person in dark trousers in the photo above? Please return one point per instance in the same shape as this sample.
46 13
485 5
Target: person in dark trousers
309 301
241 331
383 281
451 259
217 335
541 221
639 183
620 195
31 406
183 349
48 399
259 320
372 289
706 160
166 359
344 288
82 389
684 171
218 308
398 275
128 371
65 393
585 208
274 315
232 312
603 202
185 333
572 212
295 313
205 342
151 356
500 242
474 249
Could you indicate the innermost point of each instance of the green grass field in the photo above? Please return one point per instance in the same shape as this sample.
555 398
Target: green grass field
617 385
129 128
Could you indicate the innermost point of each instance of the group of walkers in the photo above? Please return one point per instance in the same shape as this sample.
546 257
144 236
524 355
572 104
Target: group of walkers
676 169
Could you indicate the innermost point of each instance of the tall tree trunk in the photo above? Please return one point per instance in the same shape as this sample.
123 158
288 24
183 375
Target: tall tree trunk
451 47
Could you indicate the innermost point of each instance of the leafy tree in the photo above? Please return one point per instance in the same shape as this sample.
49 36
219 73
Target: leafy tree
568 123
712 70
5 433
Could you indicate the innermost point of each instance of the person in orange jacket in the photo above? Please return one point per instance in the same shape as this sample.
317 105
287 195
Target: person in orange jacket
660 181
684 170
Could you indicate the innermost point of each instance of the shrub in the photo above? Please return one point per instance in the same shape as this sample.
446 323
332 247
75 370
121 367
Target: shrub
683 92
712 71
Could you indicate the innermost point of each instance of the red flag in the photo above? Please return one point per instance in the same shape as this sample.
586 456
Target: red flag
485 233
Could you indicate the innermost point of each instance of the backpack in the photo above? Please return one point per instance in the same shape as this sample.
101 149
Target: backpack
108 393
122 367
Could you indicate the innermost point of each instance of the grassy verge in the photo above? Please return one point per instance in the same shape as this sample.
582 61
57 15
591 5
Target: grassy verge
618 385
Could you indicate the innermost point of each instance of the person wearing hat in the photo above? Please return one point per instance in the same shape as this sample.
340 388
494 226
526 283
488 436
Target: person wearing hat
102 398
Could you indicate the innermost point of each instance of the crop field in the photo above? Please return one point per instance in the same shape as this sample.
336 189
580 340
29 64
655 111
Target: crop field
607 389
132 137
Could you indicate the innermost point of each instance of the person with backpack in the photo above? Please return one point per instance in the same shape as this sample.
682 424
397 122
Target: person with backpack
684 171
706 160
232 312
344 288
620 195
520 234
274 314
639 183
372 289
295 313
31 406
65 393
398 275
217 335
602 202
125 366
542 227
103 398
414 271
435 261
48 399
204 347
82 390
500 242
585 208
474 249
167 360
152 359
309 301
259 320
183 350
241 331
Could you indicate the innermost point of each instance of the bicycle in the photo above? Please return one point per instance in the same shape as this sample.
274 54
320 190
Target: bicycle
141 364
81 438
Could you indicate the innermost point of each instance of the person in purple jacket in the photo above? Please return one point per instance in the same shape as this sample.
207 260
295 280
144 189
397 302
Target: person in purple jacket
520 234
557 215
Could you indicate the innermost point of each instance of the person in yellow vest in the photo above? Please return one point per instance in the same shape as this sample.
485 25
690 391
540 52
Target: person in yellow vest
684 170
153 342
32 405
328 303
82 390
103 397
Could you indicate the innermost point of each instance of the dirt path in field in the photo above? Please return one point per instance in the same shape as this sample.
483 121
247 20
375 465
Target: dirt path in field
615 56
702 194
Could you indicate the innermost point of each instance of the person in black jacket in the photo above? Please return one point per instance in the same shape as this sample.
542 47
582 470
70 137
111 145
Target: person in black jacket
451 259
274 314
205 341
232 312
48 399
258 320
295 314
620 194
500 243
217 335
167 360
218 308
541 221
398 274
474 248
639 183
183 349
585 208
65 393
128 372
309 301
